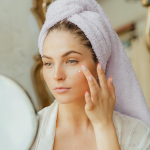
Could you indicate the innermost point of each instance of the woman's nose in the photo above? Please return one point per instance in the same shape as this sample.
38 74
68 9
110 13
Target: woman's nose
59 74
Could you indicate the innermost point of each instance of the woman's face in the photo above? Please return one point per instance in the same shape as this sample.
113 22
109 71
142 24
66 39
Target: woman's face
63 67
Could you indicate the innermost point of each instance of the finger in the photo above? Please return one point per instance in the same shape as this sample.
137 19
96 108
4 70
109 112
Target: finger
111 88
92 85
86 73
102 78
89 104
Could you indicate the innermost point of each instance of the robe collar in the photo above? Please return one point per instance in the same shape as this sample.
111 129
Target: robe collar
47 134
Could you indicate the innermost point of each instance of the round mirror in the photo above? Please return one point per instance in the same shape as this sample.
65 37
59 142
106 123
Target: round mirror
18 118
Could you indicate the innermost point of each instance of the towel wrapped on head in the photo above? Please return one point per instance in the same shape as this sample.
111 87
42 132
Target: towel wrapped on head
93 21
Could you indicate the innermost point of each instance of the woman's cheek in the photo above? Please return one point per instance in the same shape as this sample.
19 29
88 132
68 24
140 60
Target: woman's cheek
47 77
75 75
78 79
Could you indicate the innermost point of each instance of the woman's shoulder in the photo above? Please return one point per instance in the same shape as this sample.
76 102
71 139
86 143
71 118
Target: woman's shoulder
126 120
132 133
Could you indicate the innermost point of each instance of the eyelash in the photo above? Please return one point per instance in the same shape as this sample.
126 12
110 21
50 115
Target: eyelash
68 60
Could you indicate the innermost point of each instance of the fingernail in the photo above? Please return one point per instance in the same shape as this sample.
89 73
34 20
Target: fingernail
111 79
87 94
90 77
99 66
84 68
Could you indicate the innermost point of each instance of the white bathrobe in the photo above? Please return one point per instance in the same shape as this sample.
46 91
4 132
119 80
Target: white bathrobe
133 134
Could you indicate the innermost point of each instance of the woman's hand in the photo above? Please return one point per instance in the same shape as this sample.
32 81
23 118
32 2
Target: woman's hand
101 101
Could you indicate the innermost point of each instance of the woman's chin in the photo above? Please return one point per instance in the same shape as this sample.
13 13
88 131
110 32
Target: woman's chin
66 99
63 100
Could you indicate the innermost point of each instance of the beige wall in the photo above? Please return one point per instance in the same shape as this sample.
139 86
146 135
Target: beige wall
141 63
18 42
121 12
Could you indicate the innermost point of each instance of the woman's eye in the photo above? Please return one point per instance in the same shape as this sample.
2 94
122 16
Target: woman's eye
73 61
46 64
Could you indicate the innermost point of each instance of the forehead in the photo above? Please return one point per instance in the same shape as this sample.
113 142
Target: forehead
62 41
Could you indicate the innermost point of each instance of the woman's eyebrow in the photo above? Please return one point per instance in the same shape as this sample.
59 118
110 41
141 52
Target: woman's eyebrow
69 52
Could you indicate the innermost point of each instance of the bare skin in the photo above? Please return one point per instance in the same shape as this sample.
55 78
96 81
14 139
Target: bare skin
76 139
78 119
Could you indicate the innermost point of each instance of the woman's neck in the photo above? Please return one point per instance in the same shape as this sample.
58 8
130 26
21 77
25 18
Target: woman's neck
73 116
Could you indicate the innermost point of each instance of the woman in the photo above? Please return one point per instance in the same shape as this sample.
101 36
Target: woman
79 51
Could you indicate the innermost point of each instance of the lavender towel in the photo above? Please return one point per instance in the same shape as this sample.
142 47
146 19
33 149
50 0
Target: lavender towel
92 20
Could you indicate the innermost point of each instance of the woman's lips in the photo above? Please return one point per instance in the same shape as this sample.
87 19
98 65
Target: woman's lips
61 90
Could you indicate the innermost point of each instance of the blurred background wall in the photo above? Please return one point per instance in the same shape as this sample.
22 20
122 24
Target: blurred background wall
19 33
